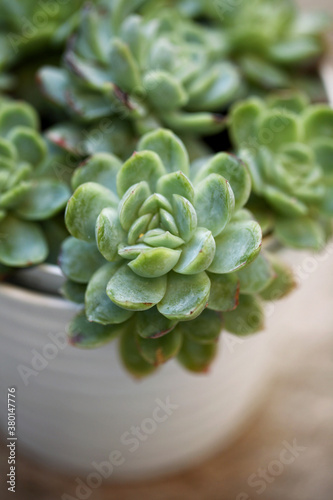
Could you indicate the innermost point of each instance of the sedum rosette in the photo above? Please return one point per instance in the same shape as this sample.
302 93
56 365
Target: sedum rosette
165 71
288 145
29 193
157 258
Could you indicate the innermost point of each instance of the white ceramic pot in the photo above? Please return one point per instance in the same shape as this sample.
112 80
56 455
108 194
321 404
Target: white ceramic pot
76 407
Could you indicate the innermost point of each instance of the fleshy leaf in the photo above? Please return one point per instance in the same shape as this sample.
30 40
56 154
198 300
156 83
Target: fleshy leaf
99 307
164 92
22 243
257 276
278 128
318 123
109 233
133 292
186 296
159 350
30 146
197 357
155 262
74 292
152 324
224 292
175 183
198 254
302 232
87 335
79 260
84 207
142 166
154 203
124 69
101 168
131 202
247 318
234 171
205 329
237 246
169 148
185 217
138 228
283 282
160 238
131 357
214 203
43 199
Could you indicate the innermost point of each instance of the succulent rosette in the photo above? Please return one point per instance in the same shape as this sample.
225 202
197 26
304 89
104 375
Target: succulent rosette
29 193
168 71
288 146
162 260
272 42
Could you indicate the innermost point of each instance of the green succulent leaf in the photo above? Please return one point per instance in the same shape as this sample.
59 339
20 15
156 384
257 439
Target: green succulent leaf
160 238
43 198
186 296
79 260
283 282
169 148
131 357
22 243
318 123
214 203
244 116
284 203
109 233
99 307
278 128
155 262
234 171
302 232
205 329
237 246
164 92
101 168
224 292
74 292
175 183
131 203
185 217
152 324
17 114
247 318
133 292
197 357
29 145
198 254
159 350
87 335
84 207
142 166
257 276
124 69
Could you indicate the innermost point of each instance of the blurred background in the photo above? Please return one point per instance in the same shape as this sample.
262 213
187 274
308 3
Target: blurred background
286 451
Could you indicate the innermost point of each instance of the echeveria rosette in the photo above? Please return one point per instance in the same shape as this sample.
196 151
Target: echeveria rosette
27 195
273 43
288 146
167 71
155 255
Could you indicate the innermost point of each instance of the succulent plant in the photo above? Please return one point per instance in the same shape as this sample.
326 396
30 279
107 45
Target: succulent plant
271 41
162 260
288 146
28 28
166 71
28 191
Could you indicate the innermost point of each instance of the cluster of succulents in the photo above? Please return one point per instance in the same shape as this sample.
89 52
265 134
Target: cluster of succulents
166 231
167 71
288 146
29 193
155 255
271 41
